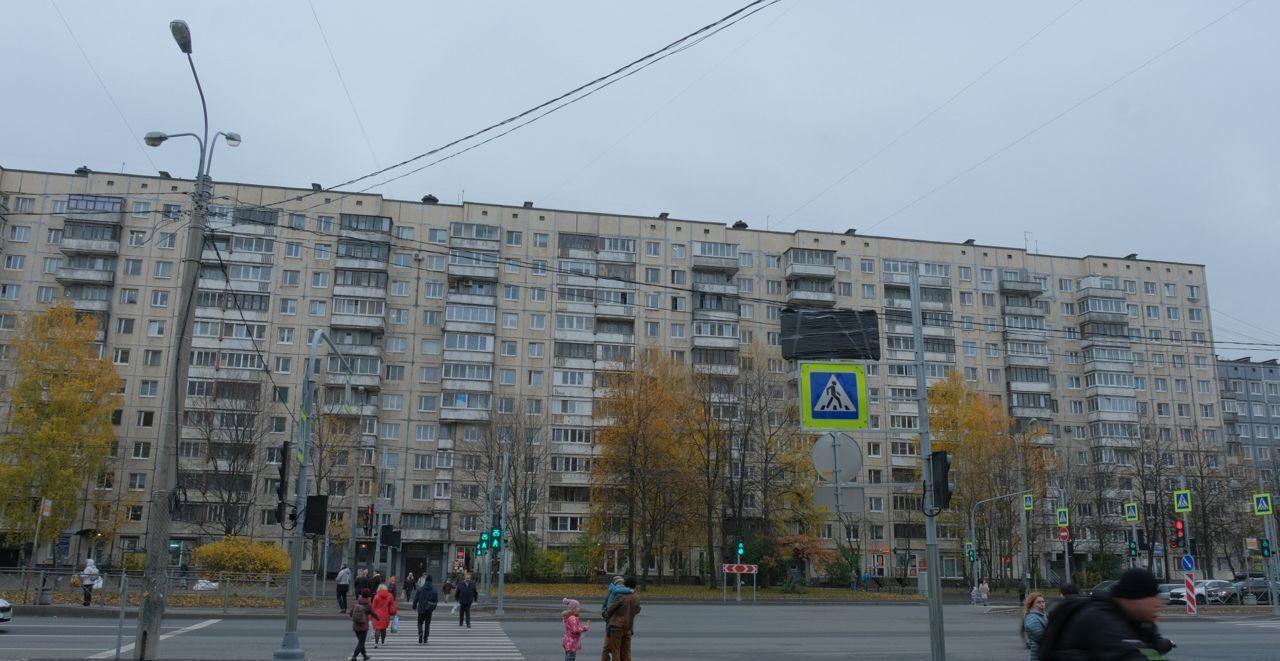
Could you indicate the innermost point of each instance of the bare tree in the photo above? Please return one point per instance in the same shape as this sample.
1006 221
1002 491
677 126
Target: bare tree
224 436
334 446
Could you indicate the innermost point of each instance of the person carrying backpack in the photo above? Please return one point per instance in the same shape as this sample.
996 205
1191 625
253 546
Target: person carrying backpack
424 602
1117 626
361 612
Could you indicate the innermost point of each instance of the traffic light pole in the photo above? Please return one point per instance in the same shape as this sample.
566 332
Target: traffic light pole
974 565
501 551
937 643
1066 543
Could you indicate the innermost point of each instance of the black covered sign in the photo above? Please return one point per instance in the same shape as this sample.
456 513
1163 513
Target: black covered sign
830 334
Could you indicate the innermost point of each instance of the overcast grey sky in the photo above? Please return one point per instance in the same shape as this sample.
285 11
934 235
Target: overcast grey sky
1173 160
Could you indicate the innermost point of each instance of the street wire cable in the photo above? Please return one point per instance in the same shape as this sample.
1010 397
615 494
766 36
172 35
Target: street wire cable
88 61
1086 99
927 116
586 90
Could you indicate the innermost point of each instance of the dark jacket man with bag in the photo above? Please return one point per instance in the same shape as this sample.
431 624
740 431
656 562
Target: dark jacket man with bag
1118 626
424 602
621 617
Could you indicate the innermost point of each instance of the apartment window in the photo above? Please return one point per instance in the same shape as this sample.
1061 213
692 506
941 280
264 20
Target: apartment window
159 298
14 262
152 357
320 279
167 240
19 233
869 292
164 270
148 388
867 265
155 328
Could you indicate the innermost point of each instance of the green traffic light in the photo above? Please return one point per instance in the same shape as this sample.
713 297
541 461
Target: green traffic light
1265 545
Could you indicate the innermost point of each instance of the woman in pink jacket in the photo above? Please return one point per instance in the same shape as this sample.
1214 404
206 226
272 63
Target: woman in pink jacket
573 628
384 605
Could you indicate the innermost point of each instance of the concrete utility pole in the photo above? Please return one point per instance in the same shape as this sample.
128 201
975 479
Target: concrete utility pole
503 539
163 501
1066 543
937 643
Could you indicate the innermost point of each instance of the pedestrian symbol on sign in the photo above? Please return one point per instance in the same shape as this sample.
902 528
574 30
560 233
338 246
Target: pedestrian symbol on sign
1182 501
1262 504
1064 517
1130 511
1028 502
834 397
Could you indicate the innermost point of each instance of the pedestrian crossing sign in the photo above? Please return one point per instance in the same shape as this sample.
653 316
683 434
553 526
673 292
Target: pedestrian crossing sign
1262 504
1064 517
832 396
1182 500
1028 502
1130 511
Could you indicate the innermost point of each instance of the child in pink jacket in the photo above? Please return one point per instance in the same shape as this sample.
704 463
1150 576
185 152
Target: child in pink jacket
573 628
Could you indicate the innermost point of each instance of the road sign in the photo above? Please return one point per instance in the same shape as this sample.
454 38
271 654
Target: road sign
824 499
833 396
740 569
1182 500
1064 517
837 448
1188 563
1189 583
1028 502
1064 534
1130 511
1262 504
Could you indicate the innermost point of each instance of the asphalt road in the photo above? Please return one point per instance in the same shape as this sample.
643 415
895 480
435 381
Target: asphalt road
669 632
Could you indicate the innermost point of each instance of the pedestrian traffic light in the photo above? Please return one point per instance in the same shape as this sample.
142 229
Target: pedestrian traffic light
484 542
742 548
1265 545
973 555
1133 548
495 539
939 471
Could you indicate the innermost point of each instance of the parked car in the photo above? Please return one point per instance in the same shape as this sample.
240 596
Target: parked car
1165 589
1203 595
1257 587
1100 588
1226 593
6 611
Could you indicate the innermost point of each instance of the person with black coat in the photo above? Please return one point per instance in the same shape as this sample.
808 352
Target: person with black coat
424 602
466 596
1118 626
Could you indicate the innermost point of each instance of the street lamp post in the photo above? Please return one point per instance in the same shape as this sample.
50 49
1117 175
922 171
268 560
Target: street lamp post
163 501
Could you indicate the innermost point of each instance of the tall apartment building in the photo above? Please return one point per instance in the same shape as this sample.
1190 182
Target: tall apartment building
1251 412
454 315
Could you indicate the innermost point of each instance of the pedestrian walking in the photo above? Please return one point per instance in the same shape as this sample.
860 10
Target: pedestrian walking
620 618
410 586
361 613
343 580
392 587
574 627
424 604
1034 622
984 593
90 579
361 582
466 596
384 605
1119 624
448 589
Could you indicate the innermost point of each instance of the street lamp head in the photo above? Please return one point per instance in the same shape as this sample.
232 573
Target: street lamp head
154 138
181 34
232 138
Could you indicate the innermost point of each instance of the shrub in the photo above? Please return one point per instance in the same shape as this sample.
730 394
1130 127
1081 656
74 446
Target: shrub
241 555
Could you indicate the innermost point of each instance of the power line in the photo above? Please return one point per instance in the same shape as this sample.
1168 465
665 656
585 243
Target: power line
1087 98
927 116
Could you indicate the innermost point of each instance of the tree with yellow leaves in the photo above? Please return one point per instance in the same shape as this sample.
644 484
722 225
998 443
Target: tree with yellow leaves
60 431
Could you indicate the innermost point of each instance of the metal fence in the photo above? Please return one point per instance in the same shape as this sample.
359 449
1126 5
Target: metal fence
191 587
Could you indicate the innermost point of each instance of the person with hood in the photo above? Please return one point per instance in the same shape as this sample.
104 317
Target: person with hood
424 603
343 581
1119 625
89 579
361 612
574 627
1034 622
384 605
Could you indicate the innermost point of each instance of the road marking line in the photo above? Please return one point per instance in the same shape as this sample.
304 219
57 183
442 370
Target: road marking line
112 652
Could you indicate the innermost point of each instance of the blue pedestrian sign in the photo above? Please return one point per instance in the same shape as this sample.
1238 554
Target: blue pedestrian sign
832 396
1131 512
1262 504
1064 517
1028 502
1188 563
1182 500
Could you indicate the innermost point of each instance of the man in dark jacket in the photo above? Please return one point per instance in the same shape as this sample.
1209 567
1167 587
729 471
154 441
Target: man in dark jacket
1118 626
424 602
621 617
466 597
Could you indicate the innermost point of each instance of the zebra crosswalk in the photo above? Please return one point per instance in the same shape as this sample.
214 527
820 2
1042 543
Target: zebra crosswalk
1254 623
448 641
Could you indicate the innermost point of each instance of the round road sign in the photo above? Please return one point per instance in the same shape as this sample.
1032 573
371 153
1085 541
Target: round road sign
1064 534
837 448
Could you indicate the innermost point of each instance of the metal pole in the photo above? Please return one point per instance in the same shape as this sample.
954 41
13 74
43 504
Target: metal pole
160 520
486 563
291 646
974 565
937 642
1022 517
124 599
502 528
1066 554
377 512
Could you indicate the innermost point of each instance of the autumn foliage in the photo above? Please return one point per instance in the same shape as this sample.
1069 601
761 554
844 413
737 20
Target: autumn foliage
241 555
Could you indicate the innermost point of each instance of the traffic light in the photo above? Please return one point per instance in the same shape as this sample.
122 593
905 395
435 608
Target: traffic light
973 555
282 489
368 520
1180 533
495 539
483 545
939 470
1133 548
1265 545
742 548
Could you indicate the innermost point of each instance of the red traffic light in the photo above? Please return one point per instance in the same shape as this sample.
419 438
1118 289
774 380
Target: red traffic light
460 555
1177 525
